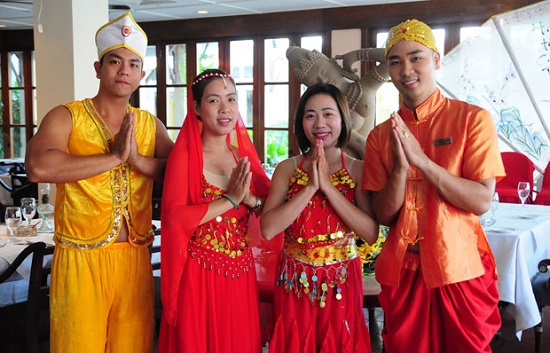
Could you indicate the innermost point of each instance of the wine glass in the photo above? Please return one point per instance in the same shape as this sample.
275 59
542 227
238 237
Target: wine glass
13 219
28 208
523 191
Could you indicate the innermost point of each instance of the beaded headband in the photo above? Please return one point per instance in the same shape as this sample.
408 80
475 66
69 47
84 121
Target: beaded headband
214 74
412 31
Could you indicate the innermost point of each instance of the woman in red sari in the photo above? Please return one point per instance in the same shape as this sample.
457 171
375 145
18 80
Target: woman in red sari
214 185
315 199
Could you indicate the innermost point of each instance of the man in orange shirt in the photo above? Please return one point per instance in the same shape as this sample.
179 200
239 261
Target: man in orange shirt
431 171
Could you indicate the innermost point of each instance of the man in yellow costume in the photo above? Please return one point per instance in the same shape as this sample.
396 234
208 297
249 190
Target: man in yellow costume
104 156
431 170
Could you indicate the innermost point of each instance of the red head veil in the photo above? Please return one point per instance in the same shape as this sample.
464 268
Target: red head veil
182 208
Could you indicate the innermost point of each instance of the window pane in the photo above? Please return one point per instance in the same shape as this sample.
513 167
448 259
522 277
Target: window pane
173 133
15 69
387 101
242 60
176 64
439 35
150 66
33 63
244 96
148 99
276 63
176 106
18 142
311 43
276 106
17 106
276 147
207 56
34 108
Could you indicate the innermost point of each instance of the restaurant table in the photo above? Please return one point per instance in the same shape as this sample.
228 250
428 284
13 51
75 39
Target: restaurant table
15 289
519 239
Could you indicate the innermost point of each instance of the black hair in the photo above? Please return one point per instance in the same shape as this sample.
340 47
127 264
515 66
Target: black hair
343 108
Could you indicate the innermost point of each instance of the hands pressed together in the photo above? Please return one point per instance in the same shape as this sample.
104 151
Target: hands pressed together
238 187
406 149
124 145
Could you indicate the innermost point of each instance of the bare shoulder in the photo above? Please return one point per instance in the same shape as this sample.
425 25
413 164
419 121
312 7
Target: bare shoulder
57 121
354 167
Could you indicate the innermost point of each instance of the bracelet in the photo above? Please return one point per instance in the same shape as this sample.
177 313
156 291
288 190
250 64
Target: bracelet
236 205
258 203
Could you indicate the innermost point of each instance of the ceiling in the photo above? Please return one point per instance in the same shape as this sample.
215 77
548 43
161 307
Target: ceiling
18 14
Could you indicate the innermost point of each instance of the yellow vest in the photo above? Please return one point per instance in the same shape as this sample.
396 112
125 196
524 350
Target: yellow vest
90 212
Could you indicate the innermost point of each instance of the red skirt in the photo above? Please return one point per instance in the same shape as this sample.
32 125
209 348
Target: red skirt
305 327
457 318
216 313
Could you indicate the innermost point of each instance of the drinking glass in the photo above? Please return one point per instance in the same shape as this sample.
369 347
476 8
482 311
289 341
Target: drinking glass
28 208
13 219
523 191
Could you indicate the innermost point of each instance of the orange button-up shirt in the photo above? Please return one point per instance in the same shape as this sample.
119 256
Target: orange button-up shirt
462 139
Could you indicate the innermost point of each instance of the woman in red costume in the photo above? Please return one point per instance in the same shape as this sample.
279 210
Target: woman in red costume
315 199
214 184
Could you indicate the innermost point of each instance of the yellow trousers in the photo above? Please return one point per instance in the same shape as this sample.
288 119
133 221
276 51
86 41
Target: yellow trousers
102 300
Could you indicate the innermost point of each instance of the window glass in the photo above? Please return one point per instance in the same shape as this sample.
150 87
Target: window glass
276 106
242 60
207 56
276 63
245 99
276 147
17 106
387 96
148 99
176 106
313 42
150 66
18 142
34 108
439 35
176 64
33 64
15 69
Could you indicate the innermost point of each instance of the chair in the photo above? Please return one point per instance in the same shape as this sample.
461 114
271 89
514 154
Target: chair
541 289
518 168
21 321
543 196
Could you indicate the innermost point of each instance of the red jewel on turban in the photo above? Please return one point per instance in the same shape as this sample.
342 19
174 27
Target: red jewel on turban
404 30
126 31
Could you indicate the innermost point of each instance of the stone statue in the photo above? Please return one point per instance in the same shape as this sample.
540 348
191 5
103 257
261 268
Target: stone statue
312 66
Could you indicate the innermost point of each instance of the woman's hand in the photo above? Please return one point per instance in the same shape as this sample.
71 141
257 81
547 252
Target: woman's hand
239 183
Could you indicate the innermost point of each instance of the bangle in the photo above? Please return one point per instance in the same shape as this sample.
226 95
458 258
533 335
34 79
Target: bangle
236 205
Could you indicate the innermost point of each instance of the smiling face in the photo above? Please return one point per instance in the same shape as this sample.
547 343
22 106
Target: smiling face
412 69
322 120
218 107
120 72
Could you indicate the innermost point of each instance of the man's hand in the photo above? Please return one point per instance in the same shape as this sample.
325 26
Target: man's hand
125 140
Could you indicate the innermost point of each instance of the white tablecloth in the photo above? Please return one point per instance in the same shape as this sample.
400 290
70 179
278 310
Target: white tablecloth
15 290
519 239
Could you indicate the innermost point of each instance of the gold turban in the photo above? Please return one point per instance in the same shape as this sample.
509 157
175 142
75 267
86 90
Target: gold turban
412 31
